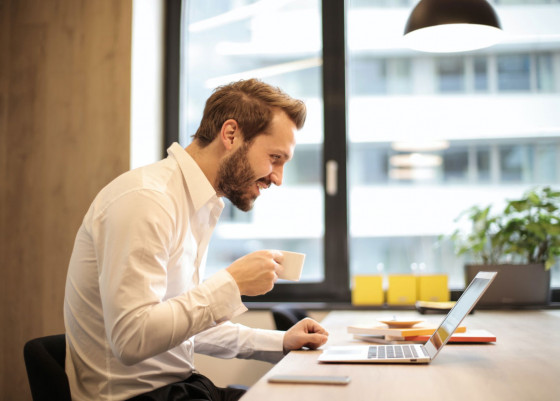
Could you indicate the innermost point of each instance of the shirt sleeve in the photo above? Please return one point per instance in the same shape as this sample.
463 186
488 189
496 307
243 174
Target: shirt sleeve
229 340
133 236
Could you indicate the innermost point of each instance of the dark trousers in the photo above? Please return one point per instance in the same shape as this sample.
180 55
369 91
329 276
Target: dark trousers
195 388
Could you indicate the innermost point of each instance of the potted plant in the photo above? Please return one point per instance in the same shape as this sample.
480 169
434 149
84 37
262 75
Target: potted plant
522 243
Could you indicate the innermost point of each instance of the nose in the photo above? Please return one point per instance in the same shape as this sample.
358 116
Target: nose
277 175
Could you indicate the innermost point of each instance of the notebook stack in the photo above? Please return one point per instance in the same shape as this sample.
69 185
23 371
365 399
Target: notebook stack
386 334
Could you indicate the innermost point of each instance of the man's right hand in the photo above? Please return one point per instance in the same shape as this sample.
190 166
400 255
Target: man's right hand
256 273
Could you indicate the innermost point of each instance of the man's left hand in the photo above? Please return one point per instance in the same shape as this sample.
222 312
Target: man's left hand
305 333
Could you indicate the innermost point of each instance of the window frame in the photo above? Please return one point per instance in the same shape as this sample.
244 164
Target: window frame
335 241
335 147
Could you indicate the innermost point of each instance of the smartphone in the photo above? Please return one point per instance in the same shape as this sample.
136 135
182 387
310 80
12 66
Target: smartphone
309 379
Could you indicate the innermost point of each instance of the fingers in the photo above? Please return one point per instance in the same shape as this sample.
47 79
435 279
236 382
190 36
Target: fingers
306 333
316 340
311 326
278 259
277 256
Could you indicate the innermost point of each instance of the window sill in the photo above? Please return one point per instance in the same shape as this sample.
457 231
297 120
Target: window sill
322 306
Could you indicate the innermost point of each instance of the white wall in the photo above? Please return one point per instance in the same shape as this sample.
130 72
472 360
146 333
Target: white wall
146 114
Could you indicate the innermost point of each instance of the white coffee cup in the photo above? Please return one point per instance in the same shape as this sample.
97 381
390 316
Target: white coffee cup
293 265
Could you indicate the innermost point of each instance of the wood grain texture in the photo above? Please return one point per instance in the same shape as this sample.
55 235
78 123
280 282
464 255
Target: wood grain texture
64 134
523 364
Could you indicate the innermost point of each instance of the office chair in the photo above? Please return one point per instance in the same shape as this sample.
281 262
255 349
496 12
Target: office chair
285 316
44 361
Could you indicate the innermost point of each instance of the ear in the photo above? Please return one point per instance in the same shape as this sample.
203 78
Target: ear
230 133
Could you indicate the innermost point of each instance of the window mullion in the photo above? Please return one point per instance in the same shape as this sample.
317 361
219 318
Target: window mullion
335 148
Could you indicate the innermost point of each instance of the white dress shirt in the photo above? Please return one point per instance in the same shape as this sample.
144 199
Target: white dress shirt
134 298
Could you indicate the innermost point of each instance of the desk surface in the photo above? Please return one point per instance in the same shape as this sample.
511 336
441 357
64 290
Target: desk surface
523 364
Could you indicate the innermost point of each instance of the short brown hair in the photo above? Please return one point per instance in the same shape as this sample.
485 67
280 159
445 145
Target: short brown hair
250 103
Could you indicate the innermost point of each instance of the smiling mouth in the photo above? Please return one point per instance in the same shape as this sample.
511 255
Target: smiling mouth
262 185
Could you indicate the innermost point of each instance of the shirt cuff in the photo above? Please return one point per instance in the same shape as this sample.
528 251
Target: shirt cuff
269 340
225 295
268 345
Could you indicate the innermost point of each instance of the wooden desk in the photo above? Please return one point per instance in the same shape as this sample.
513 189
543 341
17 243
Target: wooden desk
523 364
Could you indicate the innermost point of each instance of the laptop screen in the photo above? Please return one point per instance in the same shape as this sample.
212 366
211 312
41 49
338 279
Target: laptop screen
464 305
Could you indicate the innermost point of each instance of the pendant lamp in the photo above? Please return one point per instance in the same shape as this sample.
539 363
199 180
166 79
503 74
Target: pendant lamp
452 26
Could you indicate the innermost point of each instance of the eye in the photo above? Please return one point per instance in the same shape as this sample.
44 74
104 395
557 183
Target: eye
275 157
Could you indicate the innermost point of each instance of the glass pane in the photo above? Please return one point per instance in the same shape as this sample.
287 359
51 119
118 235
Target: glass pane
369 164
280 43
514 72
451 73
546 158
545 73
368 77
515 163
483 165
456 164
399 77
472 128
480 74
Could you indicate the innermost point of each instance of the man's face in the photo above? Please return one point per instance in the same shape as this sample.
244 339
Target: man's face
251 168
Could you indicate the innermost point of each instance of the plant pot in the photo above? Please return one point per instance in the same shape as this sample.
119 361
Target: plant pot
515 285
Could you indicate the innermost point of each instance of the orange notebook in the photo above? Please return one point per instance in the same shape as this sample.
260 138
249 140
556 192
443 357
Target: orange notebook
469 336
397 333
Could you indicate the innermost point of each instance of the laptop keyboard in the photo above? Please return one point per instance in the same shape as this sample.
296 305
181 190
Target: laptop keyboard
391 351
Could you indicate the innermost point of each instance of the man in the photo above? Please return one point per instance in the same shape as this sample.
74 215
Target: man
135 306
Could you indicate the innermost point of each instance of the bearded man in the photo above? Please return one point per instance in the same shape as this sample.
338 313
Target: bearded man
136 308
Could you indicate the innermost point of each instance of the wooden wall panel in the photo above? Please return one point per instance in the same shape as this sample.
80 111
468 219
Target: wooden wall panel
64 134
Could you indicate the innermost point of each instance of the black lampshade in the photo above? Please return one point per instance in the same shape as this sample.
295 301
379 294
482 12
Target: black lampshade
452 25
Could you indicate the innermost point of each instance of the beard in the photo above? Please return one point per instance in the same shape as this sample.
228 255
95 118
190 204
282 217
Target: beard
236 179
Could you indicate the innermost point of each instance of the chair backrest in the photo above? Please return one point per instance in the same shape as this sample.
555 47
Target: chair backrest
285 316
44 361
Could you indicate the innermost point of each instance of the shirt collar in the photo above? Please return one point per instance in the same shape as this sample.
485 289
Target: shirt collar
200 189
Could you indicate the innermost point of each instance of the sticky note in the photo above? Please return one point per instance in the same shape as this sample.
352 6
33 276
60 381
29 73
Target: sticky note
367 290
402 289
433 288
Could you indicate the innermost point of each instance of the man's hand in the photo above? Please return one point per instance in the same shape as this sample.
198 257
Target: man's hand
256 273
305 333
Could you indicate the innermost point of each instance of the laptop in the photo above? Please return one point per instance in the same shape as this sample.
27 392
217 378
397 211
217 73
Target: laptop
414 353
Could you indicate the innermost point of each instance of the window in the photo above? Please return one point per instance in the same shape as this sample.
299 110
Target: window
514 72
544 67
456 164
417 138
369 77
480 67
470 130
451 72
230 40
